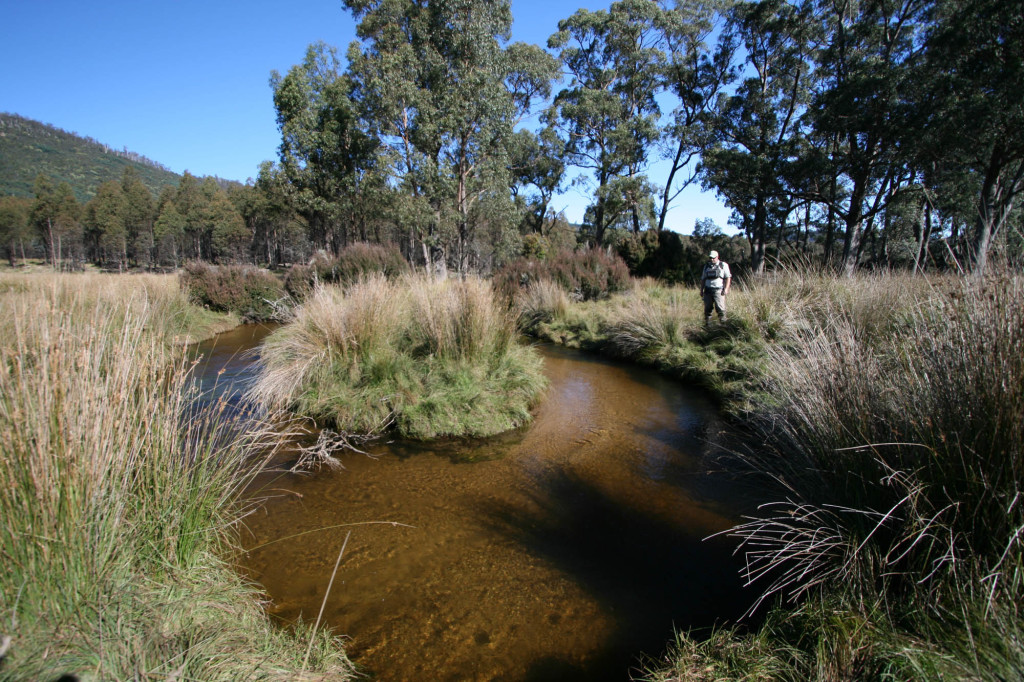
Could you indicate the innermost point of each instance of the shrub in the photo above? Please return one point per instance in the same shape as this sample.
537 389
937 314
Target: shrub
250 292
585 275
661 254
352 263
300 280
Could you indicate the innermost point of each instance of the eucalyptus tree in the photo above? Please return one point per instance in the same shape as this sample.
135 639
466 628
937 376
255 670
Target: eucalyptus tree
105 226
118 222
537 162
280 234
191 203
169 230
974 111
14 226
865 66
694 73
608 112
139 214
758 132
230 239
536 158
325 153
438 88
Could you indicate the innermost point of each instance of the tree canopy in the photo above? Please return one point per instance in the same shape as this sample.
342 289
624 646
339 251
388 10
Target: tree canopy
850 134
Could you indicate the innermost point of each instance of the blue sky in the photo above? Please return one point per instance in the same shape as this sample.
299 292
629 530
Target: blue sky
186 82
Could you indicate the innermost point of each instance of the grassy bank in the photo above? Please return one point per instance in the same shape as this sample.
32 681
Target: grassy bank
118 508
427 358
655 325
888 417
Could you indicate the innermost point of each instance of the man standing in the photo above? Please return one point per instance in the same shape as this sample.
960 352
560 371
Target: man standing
714 286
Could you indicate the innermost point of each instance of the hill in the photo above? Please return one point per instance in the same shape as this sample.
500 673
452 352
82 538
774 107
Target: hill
28 148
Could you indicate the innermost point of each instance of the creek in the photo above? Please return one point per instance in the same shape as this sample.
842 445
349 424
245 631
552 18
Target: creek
567 550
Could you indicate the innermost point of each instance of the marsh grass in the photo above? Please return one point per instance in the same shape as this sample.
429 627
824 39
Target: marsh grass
428 358
118 507
815 641
900 438
657 325
887 415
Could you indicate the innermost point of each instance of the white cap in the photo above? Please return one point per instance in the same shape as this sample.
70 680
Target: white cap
713 254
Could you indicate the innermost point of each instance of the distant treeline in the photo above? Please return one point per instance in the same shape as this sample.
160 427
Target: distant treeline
841 134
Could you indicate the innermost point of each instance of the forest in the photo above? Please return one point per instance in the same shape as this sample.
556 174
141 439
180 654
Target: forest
843 134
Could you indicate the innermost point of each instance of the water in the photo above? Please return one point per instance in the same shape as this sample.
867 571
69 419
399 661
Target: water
564 551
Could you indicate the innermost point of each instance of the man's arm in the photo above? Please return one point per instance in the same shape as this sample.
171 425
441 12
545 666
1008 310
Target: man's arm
725 287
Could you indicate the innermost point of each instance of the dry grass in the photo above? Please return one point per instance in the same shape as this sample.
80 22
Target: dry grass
158 297
118 503
431 358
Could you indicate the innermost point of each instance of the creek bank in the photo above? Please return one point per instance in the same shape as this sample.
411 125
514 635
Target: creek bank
726 360
566 547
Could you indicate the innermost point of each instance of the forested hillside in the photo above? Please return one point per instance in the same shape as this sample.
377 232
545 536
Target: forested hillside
28 148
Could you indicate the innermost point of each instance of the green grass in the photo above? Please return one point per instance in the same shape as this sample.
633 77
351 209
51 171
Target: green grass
426 358
120 510
659 326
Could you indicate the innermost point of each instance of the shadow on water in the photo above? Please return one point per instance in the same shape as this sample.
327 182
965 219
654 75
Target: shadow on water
562 551
651 574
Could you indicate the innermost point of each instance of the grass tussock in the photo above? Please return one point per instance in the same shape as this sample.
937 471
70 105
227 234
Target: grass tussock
656 325
429 358
118 504
887 414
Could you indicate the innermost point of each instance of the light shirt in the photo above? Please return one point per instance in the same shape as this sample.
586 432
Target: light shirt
715 275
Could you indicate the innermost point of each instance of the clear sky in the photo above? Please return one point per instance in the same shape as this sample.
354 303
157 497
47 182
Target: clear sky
186 82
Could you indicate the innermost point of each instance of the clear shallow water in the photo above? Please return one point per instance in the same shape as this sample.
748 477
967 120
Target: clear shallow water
563 551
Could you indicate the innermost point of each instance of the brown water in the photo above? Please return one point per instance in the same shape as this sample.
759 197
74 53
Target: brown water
561 552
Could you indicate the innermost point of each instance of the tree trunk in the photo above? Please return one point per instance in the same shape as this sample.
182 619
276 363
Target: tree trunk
854 233
757 239
925 234
991 214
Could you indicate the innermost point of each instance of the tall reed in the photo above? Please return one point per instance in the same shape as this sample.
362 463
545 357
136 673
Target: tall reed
894 426
118 505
